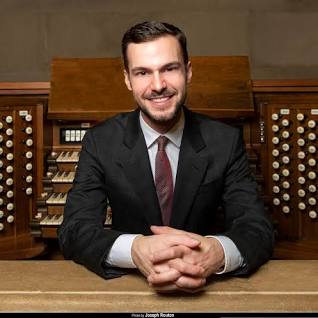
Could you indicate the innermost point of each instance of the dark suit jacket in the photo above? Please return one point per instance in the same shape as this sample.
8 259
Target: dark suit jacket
212 171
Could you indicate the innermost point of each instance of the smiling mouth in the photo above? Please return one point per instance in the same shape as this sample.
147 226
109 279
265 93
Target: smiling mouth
160 99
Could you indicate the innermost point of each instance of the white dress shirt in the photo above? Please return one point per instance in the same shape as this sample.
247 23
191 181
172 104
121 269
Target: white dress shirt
120 252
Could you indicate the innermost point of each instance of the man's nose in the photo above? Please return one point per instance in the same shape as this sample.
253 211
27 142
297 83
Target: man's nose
158 82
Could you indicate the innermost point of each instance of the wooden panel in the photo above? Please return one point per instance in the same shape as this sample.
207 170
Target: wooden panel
285 86
16 241
88 88
24 88
63 286
221 86
95 89
21 143
290 174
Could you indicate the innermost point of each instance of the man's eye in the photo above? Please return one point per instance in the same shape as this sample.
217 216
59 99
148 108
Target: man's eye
171 68
141 73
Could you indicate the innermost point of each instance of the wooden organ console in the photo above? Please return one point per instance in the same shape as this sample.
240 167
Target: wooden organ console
73 108
21 169
279 122
71 101
288 118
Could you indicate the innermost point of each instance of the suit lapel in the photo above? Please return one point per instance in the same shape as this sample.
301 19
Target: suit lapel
135 162
190 172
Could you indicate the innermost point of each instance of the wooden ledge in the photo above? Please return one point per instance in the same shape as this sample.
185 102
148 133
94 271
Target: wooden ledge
63 286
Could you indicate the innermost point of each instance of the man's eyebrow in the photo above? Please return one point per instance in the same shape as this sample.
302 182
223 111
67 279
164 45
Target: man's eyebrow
139 68
144 68
171 64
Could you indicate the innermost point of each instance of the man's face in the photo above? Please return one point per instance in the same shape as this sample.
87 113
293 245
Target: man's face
158 78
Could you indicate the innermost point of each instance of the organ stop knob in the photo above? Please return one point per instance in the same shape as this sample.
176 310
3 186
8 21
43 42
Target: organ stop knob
311 124
285 122
10 206
300 129
9 119
28 117
10 218
300 117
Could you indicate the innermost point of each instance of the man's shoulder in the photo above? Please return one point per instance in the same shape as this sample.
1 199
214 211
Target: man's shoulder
208 123
112 124
110 130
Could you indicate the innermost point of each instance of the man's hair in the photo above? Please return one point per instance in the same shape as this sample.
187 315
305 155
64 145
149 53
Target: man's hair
149 31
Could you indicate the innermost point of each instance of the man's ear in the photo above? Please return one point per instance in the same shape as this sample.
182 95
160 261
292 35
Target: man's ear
189 72
127 80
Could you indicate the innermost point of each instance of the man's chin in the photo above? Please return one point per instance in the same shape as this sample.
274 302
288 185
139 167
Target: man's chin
161 116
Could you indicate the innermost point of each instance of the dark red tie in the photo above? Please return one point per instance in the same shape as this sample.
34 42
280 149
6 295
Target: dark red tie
163 180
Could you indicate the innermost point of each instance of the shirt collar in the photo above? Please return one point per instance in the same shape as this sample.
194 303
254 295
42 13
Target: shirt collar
174 134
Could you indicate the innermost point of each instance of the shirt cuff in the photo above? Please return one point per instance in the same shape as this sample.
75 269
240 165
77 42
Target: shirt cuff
120 253
233 257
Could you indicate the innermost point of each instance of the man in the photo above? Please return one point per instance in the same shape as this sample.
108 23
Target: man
164 191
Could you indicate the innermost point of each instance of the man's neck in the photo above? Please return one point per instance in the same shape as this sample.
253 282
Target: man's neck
162 127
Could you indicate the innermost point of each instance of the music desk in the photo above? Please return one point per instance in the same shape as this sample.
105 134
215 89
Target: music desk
63 286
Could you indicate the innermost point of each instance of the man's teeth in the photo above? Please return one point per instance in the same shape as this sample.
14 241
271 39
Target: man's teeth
160 99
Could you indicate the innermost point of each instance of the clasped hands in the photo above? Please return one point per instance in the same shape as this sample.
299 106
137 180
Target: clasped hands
174 260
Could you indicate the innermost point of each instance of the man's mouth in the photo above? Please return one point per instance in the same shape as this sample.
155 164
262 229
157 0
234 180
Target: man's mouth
160 99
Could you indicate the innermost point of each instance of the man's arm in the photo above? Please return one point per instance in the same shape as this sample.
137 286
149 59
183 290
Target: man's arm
246 223
82 235
232 256
120 253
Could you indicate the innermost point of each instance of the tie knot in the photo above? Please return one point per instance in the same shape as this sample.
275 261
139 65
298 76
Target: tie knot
162 142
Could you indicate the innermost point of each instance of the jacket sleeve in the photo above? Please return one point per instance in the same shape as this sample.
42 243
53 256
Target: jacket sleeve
245 220
82 236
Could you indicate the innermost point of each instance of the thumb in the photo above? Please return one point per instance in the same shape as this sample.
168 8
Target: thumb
156 229
178 237
164 230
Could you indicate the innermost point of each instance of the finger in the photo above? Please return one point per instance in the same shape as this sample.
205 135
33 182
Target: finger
161 267
178 239
156 229
165 288
163 277
186 268
189 282
170 288
191 290
169 253
144 266
169 230
143 263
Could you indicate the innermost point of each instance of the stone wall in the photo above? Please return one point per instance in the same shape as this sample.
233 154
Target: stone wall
279 36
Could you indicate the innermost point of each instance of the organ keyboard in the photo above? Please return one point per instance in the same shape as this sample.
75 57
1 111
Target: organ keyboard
68 156
56 198
54 220
64 177
61 167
